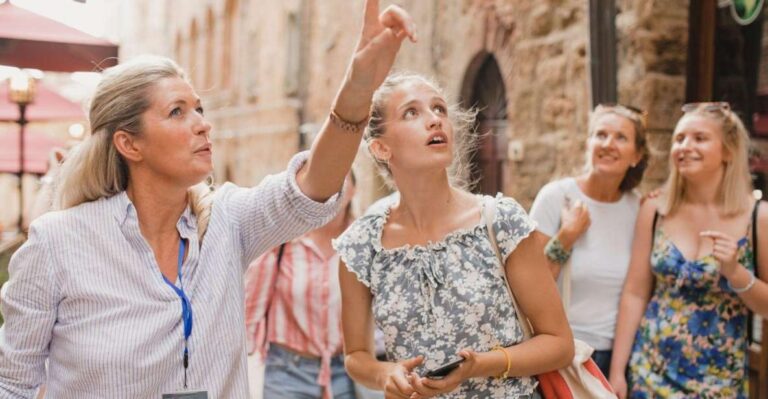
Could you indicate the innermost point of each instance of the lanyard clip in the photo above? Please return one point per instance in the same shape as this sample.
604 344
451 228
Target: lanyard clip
186 364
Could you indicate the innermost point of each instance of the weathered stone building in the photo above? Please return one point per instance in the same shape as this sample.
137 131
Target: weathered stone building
268 71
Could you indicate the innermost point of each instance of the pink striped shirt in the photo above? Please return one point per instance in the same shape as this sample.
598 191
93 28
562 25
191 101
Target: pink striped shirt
305 314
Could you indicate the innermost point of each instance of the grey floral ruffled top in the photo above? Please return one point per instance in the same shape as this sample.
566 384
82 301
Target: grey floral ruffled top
437 299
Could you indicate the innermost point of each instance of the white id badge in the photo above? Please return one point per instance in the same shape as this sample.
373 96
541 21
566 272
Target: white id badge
186 395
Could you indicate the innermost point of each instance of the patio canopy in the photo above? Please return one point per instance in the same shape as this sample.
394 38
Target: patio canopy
29 40
37 148
48 106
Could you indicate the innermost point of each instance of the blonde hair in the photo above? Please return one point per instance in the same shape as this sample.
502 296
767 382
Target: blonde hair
95 169
734 191
634 174
463 122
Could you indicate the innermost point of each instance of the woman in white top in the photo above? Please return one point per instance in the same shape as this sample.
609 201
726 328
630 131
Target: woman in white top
591 218
134 288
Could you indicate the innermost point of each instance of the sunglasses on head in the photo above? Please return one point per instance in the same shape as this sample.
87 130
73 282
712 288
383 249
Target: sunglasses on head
712 106
642 115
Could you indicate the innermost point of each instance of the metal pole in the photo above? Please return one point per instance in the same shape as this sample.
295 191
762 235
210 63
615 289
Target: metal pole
22 122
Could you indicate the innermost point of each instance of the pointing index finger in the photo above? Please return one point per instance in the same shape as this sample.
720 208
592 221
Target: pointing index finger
371 15
715 235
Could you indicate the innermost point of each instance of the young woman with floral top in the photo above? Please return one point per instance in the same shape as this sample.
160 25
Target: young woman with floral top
425 271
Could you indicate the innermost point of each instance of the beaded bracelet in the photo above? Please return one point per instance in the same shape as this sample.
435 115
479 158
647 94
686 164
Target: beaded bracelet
556 252
352 127
750 284
505 374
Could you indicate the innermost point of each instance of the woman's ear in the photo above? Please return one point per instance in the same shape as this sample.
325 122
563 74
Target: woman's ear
125 143
380 150
638 158
727 154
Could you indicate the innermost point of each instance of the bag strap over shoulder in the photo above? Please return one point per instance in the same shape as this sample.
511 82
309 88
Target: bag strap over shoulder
489 214
280 255
754 236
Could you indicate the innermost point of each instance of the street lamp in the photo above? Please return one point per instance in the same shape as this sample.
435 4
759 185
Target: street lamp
22 92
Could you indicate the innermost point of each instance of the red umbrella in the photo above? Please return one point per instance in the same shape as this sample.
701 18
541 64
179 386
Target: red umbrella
48 105
37 147
29 40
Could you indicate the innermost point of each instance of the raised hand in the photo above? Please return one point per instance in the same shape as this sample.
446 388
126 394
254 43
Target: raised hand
334 149
378 44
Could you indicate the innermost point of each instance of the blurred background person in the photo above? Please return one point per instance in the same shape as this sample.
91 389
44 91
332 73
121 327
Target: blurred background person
293 313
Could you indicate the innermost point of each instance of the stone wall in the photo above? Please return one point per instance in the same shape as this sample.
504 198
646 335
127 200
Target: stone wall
652 54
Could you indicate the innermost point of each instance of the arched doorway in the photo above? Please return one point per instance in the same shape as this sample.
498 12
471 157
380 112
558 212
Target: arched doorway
484 89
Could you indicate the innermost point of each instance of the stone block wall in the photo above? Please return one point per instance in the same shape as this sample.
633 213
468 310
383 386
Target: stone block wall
652 53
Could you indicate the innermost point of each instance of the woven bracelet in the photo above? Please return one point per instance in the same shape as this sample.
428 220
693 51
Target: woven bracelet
556 252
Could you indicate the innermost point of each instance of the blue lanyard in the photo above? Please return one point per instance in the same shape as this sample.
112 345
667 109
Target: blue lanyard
186 309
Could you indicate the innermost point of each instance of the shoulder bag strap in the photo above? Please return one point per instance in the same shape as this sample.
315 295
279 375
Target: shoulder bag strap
489 214
754 236
280 253
565 268
750 319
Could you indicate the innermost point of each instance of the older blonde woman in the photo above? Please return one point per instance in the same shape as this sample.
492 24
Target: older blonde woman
134 288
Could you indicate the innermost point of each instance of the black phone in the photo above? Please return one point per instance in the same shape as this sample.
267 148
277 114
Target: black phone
444 369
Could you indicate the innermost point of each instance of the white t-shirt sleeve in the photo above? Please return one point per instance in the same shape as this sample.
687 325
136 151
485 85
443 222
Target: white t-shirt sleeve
546 207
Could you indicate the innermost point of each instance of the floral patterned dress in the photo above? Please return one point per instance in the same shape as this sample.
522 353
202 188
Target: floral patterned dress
692 340
437 299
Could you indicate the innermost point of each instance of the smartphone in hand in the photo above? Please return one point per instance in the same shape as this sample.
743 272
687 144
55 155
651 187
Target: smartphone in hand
444 369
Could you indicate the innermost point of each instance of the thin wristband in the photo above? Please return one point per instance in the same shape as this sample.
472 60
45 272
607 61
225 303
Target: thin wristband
505 374
750 284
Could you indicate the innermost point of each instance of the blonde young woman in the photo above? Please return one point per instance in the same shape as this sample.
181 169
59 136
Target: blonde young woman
682 324
591 220
133 289
426 272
